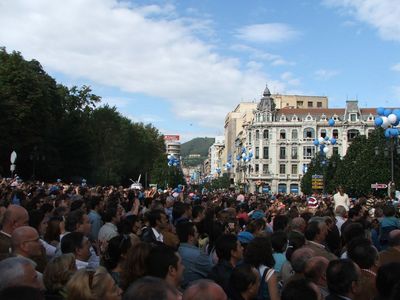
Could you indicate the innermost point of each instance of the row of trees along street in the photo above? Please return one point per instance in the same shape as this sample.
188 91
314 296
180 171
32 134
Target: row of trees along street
367 162
62 132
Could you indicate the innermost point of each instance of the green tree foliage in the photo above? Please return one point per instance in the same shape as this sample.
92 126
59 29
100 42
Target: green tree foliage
60 132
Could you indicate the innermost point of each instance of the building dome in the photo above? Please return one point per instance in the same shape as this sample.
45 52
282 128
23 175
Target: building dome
266 91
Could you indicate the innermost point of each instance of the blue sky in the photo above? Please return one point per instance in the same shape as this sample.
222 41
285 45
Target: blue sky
183 65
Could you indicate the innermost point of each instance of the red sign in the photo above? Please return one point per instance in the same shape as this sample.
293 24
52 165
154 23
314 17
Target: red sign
379 186
171 137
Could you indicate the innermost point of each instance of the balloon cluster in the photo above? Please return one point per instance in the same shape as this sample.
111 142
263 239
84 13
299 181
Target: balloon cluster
388 120
173 161
245 156
229 164
218 170
324 142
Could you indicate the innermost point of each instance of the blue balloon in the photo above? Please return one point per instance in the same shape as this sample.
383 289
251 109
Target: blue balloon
394 132
250 154
316 142
238 157
331 122
396 112
397 122
321 147
388 132
378 121
243 149
380 111
327 138
333 141
387 111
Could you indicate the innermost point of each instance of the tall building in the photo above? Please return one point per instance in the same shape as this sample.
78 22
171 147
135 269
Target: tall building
172 145
215 154
282 140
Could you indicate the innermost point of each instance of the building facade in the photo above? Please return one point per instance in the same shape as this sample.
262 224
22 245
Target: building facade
281 141
215 155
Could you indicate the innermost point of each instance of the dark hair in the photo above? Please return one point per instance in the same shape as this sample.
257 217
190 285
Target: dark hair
280 222
160 258
389 210
296 241
312 230
394 240
184 230
35 218
362 252
353 230
21 292
340 275
72 241
74 218
94 201
76 204
241 278
354 211
127 223
224 245
53 230
116 247
259 252
279 241
298 289
149 288
109 214
197 210
388 275
154 215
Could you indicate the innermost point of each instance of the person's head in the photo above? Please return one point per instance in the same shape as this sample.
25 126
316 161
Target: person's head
150 288
198 213
363 253
165 263
19 271
38 221
280 222
245 281
78 220
340 211
340 189
92 284
352 231
187 232
53 229
116 251
296 240
96 203
389 210
279 241
298 224
316 230
300 289
259 252
343 277
14 217
354 213
76 243
112 215
387 277
58 271
21 292
299 259
315 270
394 238
25 241
157 219
204 290
228 248
134 266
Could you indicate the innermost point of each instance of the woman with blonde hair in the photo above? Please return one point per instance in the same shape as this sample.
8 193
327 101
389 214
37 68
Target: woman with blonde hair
56 275
93 285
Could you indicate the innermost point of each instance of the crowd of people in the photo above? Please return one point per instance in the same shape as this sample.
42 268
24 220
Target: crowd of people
66 241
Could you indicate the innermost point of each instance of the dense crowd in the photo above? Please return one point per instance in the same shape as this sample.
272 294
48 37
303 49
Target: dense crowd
66 241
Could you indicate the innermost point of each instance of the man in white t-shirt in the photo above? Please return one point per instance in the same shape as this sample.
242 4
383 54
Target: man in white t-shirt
341 198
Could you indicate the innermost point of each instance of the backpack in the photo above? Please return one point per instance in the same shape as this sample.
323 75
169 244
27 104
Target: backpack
263 293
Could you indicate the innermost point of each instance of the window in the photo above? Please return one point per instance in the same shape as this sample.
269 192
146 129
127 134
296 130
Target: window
282 152
353 117
250 137
257 152
282 169
335 133
335 150
294 169
319 104
310 104
352 134
294 152
266 134
323 133
257 135
266 153
257 168
282 188
308 152
309 133
282 134
294 134
299 103
265 169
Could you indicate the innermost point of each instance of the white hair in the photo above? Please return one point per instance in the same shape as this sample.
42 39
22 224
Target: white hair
12 271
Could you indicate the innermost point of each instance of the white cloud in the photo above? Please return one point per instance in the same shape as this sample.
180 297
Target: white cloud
147 50
145 118
384 15
323 74
396 67
256 54
267 33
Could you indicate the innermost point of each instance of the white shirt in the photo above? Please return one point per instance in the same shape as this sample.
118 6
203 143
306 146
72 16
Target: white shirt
158 235
50 249
341 200
107 232
80 264
339 222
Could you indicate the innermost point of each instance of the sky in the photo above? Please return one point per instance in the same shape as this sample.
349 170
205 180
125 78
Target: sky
183 65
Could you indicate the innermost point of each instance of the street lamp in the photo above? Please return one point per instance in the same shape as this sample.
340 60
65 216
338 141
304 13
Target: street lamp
394 145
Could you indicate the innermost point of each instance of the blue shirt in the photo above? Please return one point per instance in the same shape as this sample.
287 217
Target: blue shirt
96 222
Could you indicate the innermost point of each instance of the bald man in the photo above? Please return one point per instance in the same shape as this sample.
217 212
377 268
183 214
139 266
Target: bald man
14 217
298 224
204 289
295 269
391 254
25 242
315 270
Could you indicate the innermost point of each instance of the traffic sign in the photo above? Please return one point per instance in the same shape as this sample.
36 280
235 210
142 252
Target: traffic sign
378 186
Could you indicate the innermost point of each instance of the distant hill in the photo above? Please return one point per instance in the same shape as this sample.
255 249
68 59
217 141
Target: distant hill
197 146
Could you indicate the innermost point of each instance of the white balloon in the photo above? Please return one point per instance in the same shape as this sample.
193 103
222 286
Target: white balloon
243 154
392 118
385 122
321 140
326 150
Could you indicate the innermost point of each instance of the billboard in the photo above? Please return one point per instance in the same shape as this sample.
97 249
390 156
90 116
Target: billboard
171 138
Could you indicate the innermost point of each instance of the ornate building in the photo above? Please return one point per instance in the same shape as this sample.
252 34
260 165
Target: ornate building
282 140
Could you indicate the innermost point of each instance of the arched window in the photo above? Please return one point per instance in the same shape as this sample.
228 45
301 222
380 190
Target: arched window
257 135
352 134
309 133
335 133
323 133
282 134
266 134
294 134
